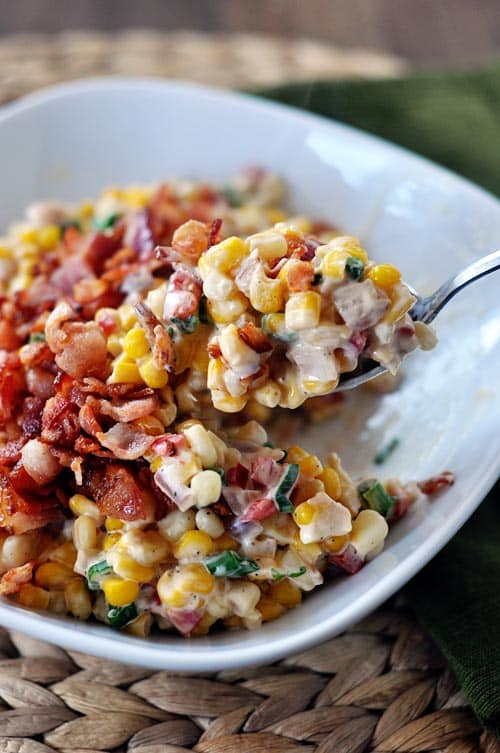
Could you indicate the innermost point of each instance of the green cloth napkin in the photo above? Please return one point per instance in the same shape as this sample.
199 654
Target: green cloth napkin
454 119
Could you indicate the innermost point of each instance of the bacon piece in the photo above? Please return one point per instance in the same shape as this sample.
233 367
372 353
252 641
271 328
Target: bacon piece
80 348
40 382
238 476
183 294
300 276
60 422
185 620
10 452
437 483
259 510
13 579
160 341
214 350
125 441
215 232
9 339
130 410
348 560
191 239
139 235
101 246
266 471
72 270
255 338
11 386
39 462
23 512
31 417
169 444
115 491
88 421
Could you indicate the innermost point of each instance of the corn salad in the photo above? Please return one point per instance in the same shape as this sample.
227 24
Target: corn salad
129 327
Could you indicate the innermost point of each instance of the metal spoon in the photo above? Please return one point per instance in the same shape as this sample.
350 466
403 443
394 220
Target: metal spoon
425 310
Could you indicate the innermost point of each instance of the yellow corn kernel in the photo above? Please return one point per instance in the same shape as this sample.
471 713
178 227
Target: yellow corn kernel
275 215
269 244
49 236
296 454
196 579
302 310
225 312
224 542
169 592
126 371
53 575
401 301
226 403
311 466
119 592
137 196
86 210
275 324
127 315
333 264
304 514
114 345
110 541
33 596
156 464
266 295
65 554
384 275
305 489
128 568
153 376
113 524
193 544
228 254
6 253
308 552
334 544
141 626
81 505
270 609
78 600
29 235
315 387
331 482
135 343
287 593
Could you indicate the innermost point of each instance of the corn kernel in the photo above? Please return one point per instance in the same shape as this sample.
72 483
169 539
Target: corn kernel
156 464
224 542
84 533
33 596
113 524
125 371
49 236
65 554
137 196
78 600
196 578
270 609
128 568
29 235
170 594
308 552
296 454
266 295
228 254
153 376
53 575
135 343
331 482
81 505
311 466
110 541
384 275
333 264
114 345
304 514
305 489
141 626
207 487
119 592
226 403
269 244
302 310
287 593
127 315
315 387
225 312
193 544
335 544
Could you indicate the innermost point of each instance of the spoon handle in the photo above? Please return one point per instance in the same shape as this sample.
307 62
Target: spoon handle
426 309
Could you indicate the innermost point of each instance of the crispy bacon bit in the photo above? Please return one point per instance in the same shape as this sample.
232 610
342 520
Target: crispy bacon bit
185 620
130 410
39 463
9 340
102 246
300 276
297 246
31 418
115 491
24 512
160 341
348 560
139 236
238 476
11 386
215 232
13 579
191 239
80 349
184 291
254 337
436 484
60 422
259 510
169 445
88 290
125 441
88 421
214 350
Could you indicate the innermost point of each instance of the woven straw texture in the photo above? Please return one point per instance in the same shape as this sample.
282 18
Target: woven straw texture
382 686
239 60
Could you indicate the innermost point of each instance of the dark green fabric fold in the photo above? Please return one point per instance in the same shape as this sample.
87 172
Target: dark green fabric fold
454 119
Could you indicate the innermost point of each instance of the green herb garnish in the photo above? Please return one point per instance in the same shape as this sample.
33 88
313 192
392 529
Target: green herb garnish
37 337
279 576
374 496
106 222
222 474
285 486
387 450
187 325
95 573
283 335
232 196
120 616
230 564
354 268
269 444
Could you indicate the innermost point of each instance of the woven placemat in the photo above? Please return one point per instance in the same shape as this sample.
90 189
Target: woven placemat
382 686
28 62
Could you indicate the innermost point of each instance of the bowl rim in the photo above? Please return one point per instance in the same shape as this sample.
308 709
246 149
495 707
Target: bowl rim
100 640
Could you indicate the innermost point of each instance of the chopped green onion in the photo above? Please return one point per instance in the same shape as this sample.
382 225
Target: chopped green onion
269 444
171 331
203 311
230 564
387 450
120 616
279 576
354 267
222 474
106 222
70 223
232 196
285 486
374 496
318 279
95 572
187 325
37 337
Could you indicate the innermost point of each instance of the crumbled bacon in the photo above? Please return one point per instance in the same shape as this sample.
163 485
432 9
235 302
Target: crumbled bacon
31 416
348 560
215 232
159 339
169 444
260 509
60 422
126 442
184 291
129 410
436 484
11 386
254 337
238 476
9 339
115 491
300 276
13 579
21 512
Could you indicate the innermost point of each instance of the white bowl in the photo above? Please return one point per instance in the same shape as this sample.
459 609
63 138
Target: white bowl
72 140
